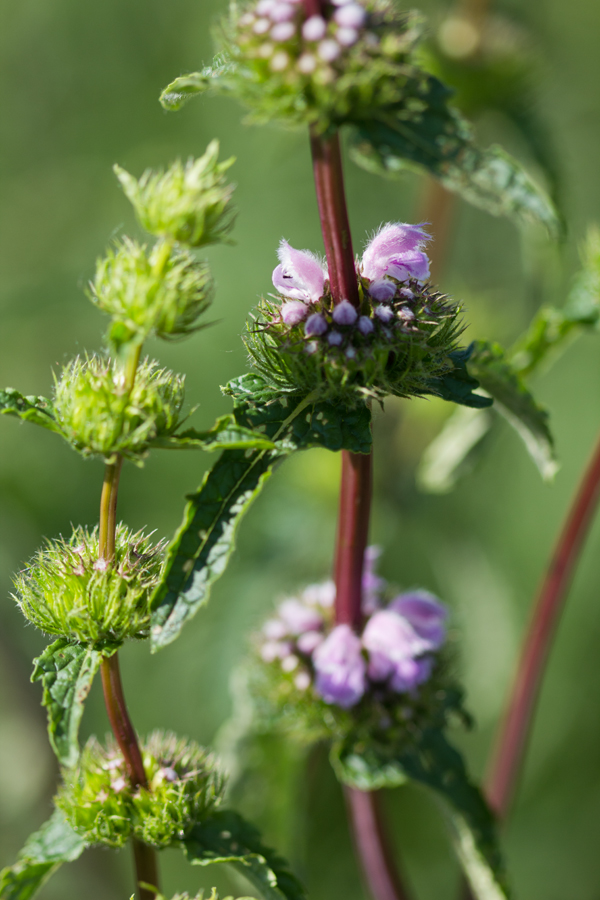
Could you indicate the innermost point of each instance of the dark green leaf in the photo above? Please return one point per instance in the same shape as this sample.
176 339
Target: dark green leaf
201 548
225 434
66 671
431 761
33 409
436 138
458 386
512 400
227 838
182 89
42 855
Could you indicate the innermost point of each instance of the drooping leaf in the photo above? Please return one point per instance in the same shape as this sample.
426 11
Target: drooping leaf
455 450
458 385
514 401
426 132
38 410
203 544
225 434
67 671
182 89
431 761
55 843
226 837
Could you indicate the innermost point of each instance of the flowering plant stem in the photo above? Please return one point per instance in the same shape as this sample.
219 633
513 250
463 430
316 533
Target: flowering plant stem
516 727
144 857
355 496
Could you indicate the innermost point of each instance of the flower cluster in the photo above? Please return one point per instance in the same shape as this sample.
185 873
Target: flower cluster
184 787
396 342
324 69
99 414
68 590
394 654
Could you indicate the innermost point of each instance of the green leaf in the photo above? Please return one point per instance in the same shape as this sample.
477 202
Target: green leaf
227 838
32 409
431 761
455 451
67 671
458 385
203 544
225 434
182 89
425 132
512 400
55 843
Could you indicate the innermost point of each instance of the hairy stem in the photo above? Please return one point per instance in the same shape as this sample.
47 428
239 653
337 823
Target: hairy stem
516 726
371 845
355 497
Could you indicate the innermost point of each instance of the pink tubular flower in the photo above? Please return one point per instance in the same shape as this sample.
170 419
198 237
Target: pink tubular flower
299 618
397 250
426 615
340 668
390 641
300 275
410 673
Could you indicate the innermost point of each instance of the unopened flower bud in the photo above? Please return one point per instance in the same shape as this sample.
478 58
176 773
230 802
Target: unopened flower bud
246 20
365 326
283 31
334 339
293 312
405 313
382 289
384 314
302 681
351 15
272 650
290 663
264 7
274 629
266 50
261 26
282 12
315 325
309 641
344 313
299 618
350 353
346 36
340 668
328 50
306 64
314 28
280 61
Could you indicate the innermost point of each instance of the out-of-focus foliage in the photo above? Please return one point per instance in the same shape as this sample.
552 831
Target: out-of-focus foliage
80 83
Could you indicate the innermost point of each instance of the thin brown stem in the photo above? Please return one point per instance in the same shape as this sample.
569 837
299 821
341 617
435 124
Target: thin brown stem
121 723
372 846
352 536
516 726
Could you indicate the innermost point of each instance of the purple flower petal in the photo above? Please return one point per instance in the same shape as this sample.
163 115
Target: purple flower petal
340 668
293 312
344 313
315 324
396 244
300 274
426 615
390 640
382 289
299 618
410 673
309 641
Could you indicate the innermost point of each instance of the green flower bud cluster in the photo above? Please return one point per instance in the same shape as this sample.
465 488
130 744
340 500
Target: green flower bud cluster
187 203
184 787
100 414
68 590
323 71
380 349
146 294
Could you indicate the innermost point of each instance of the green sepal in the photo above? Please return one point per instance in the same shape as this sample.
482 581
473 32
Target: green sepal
514 401
458 385
178 92
431 761
67 671
55 843
440 141
226 434
204 542
38 410
226 837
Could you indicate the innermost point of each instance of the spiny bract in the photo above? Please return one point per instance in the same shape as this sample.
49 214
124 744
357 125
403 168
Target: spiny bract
67 590
184 787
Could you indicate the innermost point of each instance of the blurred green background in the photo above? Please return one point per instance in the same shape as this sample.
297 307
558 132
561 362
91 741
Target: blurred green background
79 87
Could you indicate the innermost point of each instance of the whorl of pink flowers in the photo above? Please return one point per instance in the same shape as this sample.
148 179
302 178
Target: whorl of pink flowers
394 652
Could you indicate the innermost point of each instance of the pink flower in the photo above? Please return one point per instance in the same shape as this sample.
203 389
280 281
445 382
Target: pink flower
390 641
299 618
340 668
426 615
300 275
409 673
293 312
397 250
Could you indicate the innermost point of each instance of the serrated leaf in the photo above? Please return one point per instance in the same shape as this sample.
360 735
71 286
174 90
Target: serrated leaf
458 385
67 671
182 89
225 434
38 410
436 138
455 450
55 843
203 544
227 838
431 761
514 401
